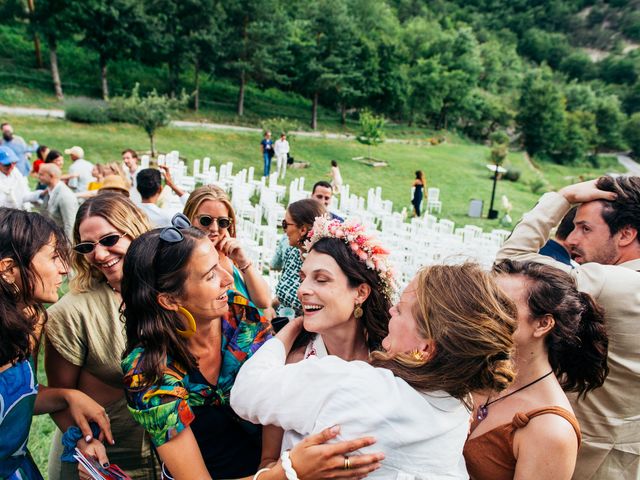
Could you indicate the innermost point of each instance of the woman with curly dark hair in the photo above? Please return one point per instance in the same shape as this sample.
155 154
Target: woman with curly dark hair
33 263
530 430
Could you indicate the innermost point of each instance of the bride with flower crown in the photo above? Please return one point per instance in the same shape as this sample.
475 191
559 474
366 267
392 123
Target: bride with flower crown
346 293
450 333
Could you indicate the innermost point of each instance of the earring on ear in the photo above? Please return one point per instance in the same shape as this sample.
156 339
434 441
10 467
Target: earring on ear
191 321
357 311
417 355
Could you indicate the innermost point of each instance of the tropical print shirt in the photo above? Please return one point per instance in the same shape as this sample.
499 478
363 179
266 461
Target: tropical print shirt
165 409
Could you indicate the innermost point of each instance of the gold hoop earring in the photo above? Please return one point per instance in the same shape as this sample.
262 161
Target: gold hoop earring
190 320
357 311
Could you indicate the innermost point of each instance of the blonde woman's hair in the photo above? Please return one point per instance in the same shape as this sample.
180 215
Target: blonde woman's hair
113 168
213 193
471 322
120 212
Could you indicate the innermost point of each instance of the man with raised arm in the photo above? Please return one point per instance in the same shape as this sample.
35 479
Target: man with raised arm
606 244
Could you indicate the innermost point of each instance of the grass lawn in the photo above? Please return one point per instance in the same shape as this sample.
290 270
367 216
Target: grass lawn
458 169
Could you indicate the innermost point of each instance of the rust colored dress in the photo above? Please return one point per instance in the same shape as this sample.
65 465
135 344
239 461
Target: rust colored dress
490 455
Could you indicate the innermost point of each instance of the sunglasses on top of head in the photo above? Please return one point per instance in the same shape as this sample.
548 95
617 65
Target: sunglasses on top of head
173 234
206 220
107 241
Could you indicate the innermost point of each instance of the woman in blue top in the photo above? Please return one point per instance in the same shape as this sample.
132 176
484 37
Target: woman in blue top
33 262
209 210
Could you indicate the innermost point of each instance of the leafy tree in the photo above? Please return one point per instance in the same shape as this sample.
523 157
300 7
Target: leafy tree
541 46
541 114
579 137
632 133
484 113
501 67
616 69
255 43
185 31
52 19
111 28
152 112
631 98
371 129
610 123
580 96
324 47
578 65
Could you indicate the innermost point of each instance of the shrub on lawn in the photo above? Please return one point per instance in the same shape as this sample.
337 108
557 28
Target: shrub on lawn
86 110
512 175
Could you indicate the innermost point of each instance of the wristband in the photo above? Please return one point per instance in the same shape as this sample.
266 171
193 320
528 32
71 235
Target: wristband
289 472
259 472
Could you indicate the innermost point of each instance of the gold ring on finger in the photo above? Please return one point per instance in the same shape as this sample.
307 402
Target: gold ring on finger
347 463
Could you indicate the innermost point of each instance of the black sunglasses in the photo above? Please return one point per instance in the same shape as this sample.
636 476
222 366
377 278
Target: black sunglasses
285 224
173 234
107 241
206 220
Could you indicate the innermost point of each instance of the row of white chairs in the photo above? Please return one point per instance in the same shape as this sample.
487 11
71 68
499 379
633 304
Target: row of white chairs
423 241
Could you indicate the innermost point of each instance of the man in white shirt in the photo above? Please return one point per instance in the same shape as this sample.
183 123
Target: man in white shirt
149 185
281 149
131 170
14 189
59 201
80 170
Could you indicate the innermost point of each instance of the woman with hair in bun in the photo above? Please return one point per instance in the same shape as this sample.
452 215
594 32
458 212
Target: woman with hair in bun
529 430
451 333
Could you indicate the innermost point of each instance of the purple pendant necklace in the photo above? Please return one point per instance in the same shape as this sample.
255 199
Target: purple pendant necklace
483 410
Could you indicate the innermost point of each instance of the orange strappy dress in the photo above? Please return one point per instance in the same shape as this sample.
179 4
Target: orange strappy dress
490 455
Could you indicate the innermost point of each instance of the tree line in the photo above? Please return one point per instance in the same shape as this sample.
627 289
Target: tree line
475 66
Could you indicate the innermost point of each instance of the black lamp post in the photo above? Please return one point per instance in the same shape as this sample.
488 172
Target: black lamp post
493 214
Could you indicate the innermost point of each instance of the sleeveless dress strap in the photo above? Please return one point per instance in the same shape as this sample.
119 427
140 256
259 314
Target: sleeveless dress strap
521 420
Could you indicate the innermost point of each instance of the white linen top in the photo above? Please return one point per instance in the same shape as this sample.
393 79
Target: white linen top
421 434
14 189
281 147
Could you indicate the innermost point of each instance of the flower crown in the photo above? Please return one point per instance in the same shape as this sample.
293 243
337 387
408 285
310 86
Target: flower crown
365 246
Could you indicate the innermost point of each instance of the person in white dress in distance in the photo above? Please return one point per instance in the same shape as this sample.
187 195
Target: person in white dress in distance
450 333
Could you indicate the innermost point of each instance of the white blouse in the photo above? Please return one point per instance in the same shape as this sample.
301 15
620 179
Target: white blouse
421 434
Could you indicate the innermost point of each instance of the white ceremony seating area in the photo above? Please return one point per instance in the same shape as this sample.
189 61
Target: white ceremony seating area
422 241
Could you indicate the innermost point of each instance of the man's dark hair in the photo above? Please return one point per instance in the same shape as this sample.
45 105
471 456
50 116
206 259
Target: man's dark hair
2 125
131 151
566 224
148 182
321 183
625 209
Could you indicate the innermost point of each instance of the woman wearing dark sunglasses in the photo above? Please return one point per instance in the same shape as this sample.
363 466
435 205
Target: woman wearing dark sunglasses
188 334
210 211
86 336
